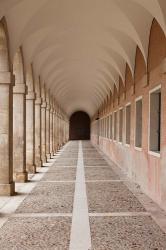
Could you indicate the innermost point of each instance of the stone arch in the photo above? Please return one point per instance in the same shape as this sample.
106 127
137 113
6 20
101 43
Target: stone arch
38 87
30 120
79 126
48 96
43 92
140 65
18 67
19 117
121 88
157 46
29 78
129 81
6 115
4 47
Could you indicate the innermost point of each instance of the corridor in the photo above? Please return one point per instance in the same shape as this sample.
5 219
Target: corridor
80 201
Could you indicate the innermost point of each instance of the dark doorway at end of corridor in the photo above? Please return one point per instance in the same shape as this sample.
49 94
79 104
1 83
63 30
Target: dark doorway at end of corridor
79 126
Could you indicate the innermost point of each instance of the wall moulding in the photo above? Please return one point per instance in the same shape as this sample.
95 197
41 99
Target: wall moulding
163 66
145 80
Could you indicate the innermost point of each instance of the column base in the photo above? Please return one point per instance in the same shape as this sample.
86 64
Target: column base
44 160
48 156
21 177
7 189
55 151
52 154
31 169
39 164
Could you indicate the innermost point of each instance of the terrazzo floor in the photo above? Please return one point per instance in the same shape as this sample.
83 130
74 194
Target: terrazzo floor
79 201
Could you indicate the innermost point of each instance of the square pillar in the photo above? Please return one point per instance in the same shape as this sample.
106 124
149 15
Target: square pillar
30 133
38 160
48 153
19 133
51 132
7 186
43 132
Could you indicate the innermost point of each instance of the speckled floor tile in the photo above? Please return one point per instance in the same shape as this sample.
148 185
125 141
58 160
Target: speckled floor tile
103 173
36 234
111 197
70 150
97 157
69 156
49 198
90 151
69 162
93 162
126 233
58 174
92 155
62 166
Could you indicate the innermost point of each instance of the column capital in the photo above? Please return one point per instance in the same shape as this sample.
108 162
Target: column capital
48 107
20 88
51 109
38 101
44 104
31 96
7 78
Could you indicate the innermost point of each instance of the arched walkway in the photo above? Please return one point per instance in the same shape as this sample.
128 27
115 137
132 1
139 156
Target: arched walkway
96 178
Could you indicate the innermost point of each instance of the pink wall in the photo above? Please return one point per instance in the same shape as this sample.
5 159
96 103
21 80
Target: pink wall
141 167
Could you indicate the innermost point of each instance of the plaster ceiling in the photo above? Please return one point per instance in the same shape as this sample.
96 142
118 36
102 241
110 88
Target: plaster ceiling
80 47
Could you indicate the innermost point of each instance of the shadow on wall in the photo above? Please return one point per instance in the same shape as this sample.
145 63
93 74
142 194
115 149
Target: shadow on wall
79 126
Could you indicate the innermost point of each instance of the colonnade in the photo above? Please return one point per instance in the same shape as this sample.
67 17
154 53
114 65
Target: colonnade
32 125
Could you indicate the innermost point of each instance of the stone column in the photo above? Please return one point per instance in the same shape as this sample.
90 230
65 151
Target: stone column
19 133
43 132
48 155
6 134
30 133
63 132
57 132
51 132
60 132
53 127
38 160
55 138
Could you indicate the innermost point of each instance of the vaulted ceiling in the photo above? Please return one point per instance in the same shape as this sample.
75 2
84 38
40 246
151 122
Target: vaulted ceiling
81 47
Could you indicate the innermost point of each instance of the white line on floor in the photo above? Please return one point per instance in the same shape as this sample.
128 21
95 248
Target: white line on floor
23 215
80 238
119 214
68 181
58 167
96 166
105 181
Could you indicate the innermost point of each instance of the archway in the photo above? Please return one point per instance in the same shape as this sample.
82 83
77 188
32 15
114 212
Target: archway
79 126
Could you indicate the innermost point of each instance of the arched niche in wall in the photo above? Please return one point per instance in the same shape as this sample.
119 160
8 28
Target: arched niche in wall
79 126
